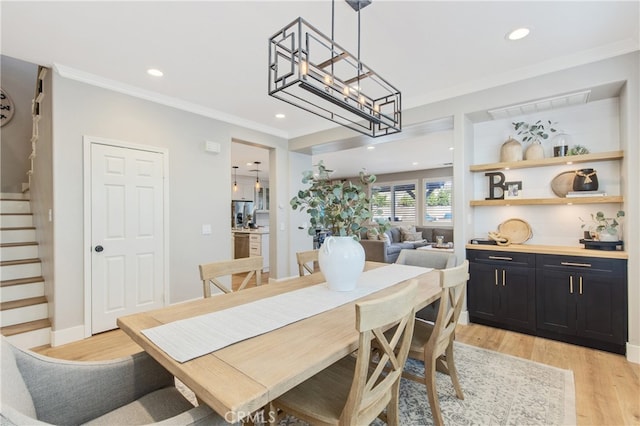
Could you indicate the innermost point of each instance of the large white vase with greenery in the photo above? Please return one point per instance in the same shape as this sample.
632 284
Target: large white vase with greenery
341 260
343 209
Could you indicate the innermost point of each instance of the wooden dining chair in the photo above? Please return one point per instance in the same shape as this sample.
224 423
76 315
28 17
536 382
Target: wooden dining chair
348 392
210 272
432 343
307 261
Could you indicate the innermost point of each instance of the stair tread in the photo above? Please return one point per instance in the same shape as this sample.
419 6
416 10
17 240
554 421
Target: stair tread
16 214
19 262
20 244
25 327
14 304
15 199
18 281
17 228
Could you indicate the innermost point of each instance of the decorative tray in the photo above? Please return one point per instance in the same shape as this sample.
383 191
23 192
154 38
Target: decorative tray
517 230
602 245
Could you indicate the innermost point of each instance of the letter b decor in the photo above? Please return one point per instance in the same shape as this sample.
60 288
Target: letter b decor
495 184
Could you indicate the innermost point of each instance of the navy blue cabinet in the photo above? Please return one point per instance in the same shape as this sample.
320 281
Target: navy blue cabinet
575 299
501 289
583 299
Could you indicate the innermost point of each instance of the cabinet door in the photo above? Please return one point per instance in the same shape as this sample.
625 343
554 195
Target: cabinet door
482 291
601 307
517 297
555 301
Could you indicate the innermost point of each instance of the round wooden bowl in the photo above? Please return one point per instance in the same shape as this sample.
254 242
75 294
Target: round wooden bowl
517 230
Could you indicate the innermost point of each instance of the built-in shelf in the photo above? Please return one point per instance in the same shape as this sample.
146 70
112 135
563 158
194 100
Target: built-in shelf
547 201
553 161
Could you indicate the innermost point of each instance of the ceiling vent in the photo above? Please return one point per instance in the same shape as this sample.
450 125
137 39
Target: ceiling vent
539 105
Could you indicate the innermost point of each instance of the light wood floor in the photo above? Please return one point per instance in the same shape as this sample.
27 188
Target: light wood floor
607 386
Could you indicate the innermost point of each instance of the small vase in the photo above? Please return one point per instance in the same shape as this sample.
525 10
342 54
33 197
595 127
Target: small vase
561 143
585 180
535 151
608 234
341 260
511 150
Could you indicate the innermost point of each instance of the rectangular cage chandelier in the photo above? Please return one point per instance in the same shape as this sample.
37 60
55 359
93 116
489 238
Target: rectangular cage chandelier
311 71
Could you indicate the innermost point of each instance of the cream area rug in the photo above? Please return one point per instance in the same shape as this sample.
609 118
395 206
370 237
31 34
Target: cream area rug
498 390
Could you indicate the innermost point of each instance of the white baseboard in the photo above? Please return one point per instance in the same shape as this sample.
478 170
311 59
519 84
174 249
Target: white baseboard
464 318
633 353
68 335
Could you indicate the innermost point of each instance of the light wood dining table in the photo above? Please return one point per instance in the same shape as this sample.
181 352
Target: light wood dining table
243 377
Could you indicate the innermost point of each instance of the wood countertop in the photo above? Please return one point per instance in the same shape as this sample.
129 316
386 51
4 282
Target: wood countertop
559 250
261 231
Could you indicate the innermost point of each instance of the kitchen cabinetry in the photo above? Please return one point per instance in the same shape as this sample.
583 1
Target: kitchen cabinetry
259 246
554 161
501 289
583 299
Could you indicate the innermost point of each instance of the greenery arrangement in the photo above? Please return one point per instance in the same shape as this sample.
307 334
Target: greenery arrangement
601 223
578 150
538 131
341 207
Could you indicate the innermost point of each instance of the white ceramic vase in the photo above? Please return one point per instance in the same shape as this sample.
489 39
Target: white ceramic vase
608 234
341 260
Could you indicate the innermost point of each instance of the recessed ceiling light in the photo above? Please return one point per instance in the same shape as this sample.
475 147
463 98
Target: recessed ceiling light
450 148
415 163
280 115
371 148
518 34
155 72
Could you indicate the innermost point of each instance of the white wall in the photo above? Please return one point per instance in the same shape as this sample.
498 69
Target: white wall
199 184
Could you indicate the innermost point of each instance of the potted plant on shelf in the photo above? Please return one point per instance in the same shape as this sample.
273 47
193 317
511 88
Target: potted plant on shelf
344 209
604 228
535 134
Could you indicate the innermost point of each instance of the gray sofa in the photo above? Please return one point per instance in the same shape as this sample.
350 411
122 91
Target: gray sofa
380 251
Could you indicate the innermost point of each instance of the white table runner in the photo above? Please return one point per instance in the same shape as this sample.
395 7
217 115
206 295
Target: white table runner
190 338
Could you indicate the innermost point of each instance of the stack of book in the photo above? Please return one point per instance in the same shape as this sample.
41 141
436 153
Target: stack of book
571 194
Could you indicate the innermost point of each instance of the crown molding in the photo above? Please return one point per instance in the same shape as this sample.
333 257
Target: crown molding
148 95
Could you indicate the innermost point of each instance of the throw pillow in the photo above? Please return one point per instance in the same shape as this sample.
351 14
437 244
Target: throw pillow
385 237
373 234
408 233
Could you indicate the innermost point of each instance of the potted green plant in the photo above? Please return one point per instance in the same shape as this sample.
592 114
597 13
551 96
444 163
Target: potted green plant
605 228
535 134
344 209
341 207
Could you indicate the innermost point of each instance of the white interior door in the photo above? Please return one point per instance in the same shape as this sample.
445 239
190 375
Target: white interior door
127 239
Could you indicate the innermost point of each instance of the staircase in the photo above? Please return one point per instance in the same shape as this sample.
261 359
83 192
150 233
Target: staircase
23 305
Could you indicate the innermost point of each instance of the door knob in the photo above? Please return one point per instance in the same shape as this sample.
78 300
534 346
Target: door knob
98 249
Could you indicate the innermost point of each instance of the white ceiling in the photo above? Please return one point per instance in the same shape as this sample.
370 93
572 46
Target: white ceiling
214 53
